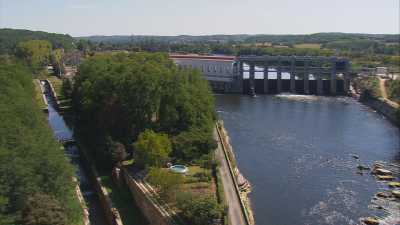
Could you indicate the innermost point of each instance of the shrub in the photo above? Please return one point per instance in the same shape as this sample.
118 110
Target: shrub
199 210
165 181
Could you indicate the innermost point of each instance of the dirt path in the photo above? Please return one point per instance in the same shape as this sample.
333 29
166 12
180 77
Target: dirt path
382 87
235 214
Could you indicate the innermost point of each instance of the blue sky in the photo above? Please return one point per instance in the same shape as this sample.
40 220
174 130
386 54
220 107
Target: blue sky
199 17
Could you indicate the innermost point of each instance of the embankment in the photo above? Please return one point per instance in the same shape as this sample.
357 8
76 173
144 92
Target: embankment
242 186
146 201
383 107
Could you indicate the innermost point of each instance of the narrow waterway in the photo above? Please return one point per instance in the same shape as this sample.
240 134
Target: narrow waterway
297 152
63 132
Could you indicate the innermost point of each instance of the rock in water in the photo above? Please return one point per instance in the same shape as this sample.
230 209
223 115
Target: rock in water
396 193
382 195
370 221
394 184
381 171
385 177
362 167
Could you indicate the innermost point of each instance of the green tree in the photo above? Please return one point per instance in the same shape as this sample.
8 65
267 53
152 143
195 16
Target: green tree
200 210
41 209
35 53
152 149
29 163
56 61
168 183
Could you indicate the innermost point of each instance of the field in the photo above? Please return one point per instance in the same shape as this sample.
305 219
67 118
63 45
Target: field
308 45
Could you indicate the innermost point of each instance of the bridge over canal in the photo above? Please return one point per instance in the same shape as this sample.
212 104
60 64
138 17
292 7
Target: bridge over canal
271 74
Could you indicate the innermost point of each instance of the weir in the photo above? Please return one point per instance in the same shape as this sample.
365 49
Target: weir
271 74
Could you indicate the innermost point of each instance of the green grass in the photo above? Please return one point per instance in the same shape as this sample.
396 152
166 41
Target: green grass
308 45
38 95
124 202
57 84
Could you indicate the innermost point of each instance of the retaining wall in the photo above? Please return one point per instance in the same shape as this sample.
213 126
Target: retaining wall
150 209
110 212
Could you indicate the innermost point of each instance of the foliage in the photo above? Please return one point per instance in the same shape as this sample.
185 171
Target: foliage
35 53
152 149
9 39
394 90
56 61
122 95
192 144
66 88
168 183
367 86
30 159
199 210
41 209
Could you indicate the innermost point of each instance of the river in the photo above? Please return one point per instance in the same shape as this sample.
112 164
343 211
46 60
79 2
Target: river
297 153
63 132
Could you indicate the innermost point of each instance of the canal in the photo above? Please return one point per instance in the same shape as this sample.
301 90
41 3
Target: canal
63 132
300 155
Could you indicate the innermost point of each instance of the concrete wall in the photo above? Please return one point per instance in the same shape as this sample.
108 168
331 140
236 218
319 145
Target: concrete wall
110 212
142 195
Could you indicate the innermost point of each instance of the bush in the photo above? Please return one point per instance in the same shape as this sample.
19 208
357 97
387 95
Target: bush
199 210
204 176
41 209
168 183
152 149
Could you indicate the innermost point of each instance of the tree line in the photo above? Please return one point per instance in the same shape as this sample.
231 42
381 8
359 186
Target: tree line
36 184
117 97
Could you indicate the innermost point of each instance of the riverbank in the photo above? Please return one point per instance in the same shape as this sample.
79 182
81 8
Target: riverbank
297 153
382 105
241 187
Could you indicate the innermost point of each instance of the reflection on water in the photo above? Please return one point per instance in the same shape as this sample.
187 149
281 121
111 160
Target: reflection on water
297 153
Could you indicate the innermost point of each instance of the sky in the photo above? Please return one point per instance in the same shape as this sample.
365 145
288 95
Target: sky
201 17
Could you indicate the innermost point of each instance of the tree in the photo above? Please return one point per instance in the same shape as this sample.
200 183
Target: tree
168 183
152 149
67 88
56 61
199 210
28 163
42 209
35 53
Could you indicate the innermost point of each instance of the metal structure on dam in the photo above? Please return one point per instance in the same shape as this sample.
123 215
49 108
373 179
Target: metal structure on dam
296 74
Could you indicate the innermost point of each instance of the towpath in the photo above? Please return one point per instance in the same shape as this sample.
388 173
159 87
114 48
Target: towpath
235 212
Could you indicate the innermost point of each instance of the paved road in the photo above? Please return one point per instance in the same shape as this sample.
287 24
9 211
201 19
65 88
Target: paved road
235 214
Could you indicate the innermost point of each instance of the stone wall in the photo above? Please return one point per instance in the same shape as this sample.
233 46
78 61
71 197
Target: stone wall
384 108
110 212
155 214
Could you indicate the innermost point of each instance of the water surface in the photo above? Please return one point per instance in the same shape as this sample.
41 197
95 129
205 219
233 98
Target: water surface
297 154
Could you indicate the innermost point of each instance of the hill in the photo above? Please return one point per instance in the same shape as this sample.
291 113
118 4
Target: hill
9 38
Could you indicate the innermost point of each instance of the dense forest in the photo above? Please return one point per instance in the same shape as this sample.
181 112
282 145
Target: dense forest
36 184
9 38
117 97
